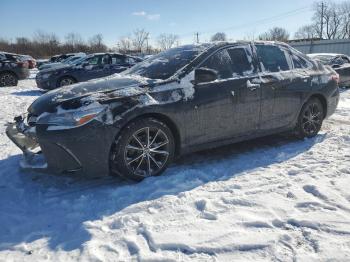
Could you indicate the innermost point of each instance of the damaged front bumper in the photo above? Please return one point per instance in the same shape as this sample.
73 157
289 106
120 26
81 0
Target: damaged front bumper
24 137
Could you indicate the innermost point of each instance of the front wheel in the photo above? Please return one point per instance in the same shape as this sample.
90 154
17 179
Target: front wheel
310 119
66 81
8 79
144 148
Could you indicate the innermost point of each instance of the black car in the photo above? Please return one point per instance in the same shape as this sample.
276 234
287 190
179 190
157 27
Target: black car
340 63
12 68
182 100
90 67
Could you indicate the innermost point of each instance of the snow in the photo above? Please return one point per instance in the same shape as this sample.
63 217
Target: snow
274 198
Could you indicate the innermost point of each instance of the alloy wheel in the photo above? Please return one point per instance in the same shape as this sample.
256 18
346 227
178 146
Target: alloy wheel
66 82
7 80
147 151
312 119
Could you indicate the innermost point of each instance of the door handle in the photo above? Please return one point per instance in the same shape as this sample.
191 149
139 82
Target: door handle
252 86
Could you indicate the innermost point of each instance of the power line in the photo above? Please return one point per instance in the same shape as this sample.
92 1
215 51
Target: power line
257 22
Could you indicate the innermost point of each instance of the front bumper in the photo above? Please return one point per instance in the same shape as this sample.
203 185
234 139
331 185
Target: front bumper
81 151
24 137
43 83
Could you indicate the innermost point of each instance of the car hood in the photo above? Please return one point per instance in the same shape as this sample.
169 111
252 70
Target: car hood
50 100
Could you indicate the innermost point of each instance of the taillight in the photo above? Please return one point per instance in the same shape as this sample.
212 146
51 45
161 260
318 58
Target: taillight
335 77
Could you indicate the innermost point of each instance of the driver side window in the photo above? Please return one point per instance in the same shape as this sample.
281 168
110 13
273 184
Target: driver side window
94 60
231 62
221 63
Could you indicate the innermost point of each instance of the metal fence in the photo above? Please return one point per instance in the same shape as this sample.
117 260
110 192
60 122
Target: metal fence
323 46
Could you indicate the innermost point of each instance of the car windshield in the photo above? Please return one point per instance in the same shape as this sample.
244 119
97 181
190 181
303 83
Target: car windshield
167 63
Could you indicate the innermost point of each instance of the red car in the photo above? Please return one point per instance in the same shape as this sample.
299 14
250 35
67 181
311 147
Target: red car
31 61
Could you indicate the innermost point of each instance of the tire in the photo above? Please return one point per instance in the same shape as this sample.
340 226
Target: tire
8 79
65 81
310 119
132 157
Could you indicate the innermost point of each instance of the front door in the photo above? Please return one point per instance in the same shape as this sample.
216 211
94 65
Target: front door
230 105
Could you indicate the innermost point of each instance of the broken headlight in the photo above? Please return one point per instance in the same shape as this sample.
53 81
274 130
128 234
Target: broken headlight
65 119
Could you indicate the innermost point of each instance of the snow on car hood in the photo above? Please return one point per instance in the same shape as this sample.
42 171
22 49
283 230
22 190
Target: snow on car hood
129 85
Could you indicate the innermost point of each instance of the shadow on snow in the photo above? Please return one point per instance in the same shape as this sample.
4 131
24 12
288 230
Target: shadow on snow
55 208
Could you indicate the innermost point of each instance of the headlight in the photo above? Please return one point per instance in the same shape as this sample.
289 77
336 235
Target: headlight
66 119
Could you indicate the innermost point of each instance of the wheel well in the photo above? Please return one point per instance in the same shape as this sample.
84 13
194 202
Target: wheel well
166 120
323 102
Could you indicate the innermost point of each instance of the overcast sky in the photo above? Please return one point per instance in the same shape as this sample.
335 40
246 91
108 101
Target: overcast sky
118 18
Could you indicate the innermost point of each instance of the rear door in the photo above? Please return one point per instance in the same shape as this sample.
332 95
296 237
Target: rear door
281 86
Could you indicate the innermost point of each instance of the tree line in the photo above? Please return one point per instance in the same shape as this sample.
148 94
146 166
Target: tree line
43 45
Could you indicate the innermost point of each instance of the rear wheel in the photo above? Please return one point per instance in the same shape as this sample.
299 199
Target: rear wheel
310 119
66 81
144 148
8 79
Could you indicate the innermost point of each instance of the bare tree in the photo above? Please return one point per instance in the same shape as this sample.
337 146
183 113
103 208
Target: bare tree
125 44
96 43
220 36
344 9
306 32
275 34
166 41
74 42
328 19
140 39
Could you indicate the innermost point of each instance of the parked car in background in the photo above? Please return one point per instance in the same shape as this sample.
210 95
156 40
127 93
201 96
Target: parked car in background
182 100
69 60
40 62
59 58
339 62
31 61
12 69
92 66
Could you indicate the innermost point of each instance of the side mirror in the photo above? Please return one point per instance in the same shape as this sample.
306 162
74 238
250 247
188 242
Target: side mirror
335 66
204 75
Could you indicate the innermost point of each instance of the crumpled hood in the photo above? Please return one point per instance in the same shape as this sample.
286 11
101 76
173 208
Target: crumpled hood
48 101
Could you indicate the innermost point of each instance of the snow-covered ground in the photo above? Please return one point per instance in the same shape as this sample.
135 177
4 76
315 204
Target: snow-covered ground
273 198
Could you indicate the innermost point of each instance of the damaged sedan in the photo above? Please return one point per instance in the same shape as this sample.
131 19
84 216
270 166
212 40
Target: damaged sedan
185 99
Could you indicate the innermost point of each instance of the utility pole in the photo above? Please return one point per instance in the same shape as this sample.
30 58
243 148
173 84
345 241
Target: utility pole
322 14
197 37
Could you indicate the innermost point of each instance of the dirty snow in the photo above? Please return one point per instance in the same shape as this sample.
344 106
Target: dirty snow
273 198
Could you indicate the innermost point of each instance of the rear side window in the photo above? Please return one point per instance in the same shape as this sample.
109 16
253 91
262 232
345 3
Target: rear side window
116 60
272 58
